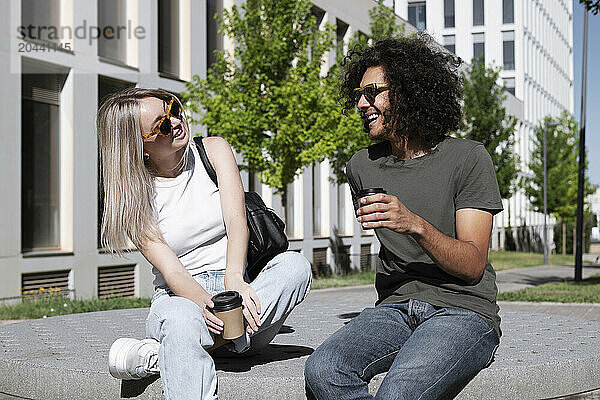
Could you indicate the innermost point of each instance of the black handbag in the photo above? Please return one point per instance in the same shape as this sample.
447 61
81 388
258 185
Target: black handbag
266 229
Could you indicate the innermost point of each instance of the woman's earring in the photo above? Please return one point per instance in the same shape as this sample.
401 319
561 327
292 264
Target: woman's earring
146 157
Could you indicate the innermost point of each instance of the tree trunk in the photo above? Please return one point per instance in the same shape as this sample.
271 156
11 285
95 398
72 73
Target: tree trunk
564 238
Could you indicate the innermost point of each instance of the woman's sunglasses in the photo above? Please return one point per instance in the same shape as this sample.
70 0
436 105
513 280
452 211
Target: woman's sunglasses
164 126
370 91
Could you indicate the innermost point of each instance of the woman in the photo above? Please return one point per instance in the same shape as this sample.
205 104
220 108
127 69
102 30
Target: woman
159 196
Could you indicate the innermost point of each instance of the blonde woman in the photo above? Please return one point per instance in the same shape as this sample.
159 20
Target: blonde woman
159 196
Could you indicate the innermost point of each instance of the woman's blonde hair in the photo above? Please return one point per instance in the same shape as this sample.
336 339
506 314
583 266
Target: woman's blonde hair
128 179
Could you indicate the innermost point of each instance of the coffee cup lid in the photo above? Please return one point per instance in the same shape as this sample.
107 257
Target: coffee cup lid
227 300
368 191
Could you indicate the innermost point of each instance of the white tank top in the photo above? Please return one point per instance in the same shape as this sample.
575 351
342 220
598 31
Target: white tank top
188 211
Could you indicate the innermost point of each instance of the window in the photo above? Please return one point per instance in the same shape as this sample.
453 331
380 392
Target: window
319 17
479 48
448 13
508 50
509 84
113 13
213 39
417 15
288 211
40 161
508 11
106 87
478 13
316 198
341 31
450 43
168 37
341 206
38 14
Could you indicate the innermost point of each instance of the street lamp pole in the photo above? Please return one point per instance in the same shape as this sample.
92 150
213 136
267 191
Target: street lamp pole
546 125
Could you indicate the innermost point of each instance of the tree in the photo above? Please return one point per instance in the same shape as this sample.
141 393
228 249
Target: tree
383 24
268 98
592 6
562 167
485 120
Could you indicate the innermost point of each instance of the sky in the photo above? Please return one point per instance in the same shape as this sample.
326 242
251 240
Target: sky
592 120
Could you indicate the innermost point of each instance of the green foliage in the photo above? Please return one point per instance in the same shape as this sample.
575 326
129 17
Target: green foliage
485 120
268 98
589 221
592 6
562 166
50 306
587 291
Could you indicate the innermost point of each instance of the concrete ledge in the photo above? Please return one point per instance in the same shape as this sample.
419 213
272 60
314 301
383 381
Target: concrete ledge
540 355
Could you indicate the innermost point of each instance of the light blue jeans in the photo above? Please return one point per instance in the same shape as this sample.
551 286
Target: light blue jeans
428 352
186 369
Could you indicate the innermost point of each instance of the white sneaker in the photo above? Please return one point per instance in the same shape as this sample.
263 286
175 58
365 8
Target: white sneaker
133 358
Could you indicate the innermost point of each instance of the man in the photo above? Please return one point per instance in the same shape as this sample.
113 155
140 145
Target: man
435 324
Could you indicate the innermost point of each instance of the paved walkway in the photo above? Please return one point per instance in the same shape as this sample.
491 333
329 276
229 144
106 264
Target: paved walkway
49 356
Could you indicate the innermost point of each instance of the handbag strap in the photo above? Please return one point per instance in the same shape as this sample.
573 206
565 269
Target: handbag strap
204 157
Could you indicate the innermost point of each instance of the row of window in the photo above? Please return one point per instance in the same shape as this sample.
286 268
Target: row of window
41 20
508 48
417 14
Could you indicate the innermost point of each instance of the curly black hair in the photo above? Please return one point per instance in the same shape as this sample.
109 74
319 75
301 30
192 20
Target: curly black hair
425 85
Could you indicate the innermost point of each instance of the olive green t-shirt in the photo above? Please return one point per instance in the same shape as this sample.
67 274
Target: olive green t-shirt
457 174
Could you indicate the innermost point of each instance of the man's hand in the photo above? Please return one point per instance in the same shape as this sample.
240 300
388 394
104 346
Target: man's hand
251 305
386 211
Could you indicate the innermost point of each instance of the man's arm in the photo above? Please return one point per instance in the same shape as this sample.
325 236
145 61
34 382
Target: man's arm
464 257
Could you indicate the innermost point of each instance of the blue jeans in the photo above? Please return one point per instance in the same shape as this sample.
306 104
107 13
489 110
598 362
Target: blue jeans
187 371
429 353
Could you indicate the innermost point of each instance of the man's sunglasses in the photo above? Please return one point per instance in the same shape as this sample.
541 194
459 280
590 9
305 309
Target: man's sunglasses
370 91
164 126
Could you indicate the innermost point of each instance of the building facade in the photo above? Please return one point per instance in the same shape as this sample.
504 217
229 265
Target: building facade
54 80
532 43
60 59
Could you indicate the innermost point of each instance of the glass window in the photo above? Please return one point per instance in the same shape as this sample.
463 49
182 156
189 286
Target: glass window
479 47
106 87
113 13
342 226
448 13
478 13
319 16
341 31
508 11
417 15
40 161
509 84
38 14
288 212
450 43
168 37
316 198
213 39
508 50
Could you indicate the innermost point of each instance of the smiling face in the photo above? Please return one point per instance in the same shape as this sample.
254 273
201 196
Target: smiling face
373 117
158 146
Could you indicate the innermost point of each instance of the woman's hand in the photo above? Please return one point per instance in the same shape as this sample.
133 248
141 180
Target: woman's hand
251 305
204 301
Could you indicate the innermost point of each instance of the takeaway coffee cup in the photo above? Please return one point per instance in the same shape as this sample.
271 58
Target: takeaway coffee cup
228 308
367 192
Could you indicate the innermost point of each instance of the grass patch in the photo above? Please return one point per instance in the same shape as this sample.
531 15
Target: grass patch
360 278
502 260
586 291
40 307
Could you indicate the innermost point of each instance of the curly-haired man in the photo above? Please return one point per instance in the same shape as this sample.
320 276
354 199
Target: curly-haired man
435 324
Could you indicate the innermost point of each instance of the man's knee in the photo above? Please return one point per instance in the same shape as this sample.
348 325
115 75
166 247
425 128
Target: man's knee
322 365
